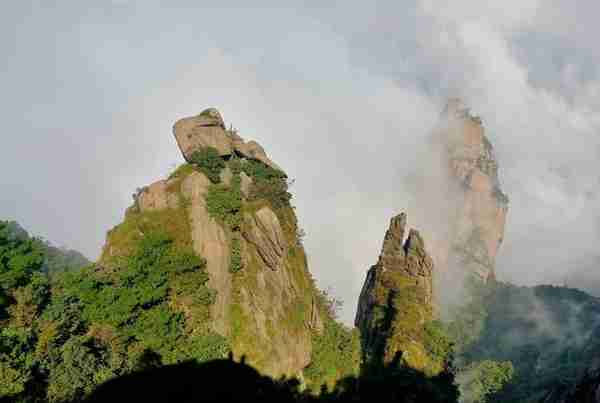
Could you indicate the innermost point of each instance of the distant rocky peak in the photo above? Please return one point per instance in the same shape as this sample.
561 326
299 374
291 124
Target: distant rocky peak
478 206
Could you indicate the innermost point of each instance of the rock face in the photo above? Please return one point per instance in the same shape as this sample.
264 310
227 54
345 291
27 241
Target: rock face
264 232
205 130
475 205
208 130
269 309
396 300
156 197
211 242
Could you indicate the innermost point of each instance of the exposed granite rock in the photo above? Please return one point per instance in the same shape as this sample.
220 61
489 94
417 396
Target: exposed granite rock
211 242
208 130
253 150
267 299
268 309
225 176
395 301
156 197
316 321
478 220
204 130
245 184
263 230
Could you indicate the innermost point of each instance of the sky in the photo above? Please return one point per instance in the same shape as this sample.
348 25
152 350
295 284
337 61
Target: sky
341 94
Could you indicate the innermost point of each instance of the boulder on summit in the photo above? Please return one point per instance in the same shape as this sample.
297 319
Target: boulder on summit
207 129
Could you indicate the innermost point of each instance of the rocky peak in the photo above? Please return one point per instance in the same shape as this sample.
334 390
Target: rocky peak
478 205
395 301
265 301
392 243
207 129
210 117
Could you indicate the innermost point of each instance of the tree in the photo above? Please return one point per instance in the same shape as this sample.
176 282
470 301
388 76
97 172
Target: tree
209 162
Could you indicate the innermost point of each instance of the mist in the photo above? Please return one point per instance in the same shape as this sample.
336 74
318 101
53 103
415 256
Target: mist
342 96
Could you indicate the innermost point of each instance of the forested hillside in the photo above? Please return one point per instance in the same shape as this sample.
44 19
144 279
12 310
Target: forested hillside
549 334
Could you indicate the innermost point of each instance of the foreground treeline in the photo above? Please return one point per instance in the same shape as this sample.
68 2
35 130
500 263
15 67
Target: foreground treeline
64 334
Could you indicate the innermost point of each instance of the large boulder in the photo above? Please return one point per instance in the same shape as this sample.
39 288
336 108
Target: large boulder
204 130
253 150
208 130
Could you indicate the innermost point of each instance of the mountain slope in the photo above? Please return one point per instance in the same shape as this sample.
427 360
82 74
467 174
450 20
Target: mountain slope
205 263
230 204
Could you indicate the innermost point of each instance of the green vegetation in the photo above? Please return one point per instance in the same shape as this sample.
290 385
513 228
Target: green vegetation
397 331
437 342
235 264
62 336
61 259
20 258
480 380
182 171
260 171
123 239
268 184
470 317
224 204
209 162
336 350
515 344
549 334
335 354
65 329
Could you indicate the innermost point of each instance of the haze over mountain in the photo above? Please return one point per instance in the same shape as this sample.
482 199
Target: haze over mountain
90 94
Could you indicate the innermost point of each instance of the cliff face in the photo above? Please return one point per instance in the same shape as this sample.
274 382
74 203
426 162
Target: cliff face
475 206
231 205
395 303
